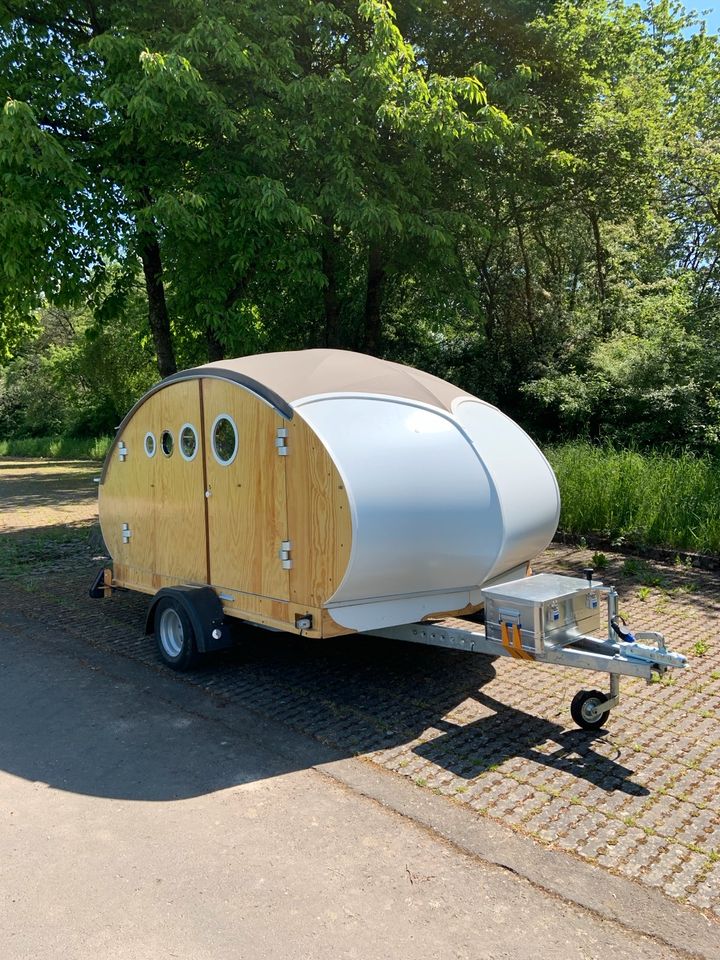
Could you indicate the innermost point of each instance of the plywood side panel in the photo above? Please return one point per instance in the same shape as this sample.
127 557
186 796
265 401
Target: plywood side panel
179 492
160 498
265 611
319 520
247 508
128 496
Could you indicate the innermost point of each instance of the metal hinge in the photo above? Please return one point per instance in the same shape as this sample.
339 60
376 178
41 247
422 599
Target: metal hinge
122 450
126 532
281 436
285 548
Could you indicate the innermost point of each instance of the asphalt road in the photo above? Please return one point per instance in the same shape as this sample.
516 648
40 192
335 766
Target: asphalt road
139 819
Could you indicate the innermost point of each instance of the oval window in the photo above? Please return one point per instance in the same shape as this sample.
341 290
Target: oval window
150 444
224 439
188 442
166 442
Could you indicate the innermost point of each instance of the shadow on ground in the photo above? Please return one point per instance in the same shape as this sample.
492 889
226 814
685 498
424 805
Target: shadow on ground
37 489
82 732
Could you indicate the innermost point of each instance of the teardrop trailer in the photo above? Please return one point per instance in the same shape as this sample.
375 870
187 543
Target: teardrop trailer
328 493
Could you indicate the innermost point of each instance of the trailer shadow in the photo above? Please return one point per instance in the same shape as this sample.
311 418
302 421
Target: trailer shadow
71 727
354 696
365 695
510 733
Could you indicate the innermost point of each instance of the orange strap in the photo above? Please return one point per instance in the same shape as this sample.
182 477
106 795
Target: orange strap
514 647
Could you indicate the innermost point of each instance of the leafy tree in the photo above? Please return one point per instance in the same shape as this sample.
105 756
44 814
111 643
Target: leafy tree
520 196
219 144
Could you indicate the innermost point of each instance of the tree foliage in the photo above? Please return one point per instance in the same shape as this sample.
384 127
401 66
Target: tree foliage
523 197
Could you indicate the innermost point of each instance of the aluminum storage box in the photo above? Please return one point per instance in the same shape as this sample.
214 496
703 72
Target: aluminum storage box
546 608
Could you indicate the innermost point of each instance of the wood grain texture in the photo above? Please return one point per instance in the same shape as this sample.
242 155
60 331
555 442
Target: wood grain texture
279 614
179 495
247 508
255 503
160 498
319 517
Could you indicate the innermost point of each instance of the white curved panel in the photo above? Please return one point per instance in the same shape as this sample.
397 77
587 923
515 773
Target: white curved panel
374 614
524 480
426 518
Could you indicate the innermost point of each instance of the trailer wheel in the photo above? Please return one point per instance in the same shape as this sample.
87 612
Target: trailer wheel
174 635
584 709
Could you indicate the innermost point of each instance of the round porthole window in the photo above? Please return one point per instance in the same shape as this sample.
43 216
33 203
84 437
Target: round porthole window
224 439
167 443
150 444
188 443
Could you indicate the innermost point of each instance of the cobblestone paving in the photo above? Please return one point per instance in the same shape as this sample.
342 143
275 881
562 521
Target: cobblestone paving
641 798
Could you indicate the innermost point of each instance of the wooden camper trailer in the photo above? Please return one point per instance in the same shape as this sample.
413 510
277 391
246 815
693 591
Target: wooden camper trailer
320 491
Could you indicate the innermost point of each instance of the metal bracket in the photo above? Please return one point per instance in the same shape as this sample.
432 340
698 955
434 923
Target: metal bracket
126 533
281 435
122 450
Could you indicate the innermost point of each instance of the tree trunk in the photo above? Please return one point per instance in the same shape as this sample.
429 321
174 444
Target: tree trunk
600 268
157 307
599 256
373 301
215 349
331 301
527 272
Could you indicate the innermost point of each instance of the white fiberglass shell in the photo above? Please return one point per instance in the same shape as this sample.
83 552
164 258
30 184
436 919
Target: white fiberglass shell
441 502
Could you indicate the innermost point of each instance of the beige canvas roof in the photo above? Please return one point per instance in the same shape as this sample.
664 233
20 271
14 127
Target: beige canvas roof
304 373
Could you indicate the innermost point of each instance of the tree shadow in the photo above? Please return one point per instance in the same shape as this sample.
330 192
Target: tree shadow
38 489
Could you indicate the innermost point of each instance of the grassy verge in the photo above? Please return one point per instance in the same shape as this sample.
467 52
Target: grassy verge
652 499
57 448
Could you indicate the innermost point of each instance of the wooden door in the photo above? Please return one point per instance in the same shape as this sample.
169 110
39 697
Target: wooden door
246 500
180 534
153 498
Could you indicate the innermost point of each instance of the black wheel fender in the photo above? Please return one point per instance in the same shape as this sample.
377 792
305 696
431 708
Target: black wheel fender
203 609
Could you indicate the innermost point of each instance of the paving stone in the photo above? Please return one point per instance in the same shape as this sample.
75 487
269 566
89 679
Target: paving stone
495 736
687 877
707 893
665 865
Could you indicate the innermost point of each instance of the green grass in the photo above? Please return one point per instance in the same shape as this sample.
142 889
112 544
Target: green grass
652 499
57 448
19 554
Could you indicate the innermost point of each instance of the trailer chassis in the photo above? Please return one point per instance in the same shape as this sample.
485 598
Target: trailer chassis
644 654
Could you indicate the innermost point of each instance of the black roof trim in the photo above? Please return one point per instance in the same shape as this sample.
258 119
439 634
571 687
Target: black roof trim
272 399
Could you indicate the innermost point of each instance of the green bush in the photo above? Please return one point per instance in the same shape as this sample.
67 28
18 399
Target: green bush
57 448
656 499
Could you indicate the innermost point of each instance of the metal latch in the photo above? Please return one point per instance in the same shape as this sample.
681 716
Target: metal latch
126 532
285 548
281 436
122 450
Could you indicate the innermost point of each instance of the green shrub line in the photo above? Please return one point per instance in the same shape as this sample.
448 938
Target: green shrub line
653 499
57 448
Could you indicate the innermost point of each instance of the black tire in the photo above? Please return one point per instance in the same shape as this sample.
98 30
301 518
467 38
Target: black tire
583 700
174 635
